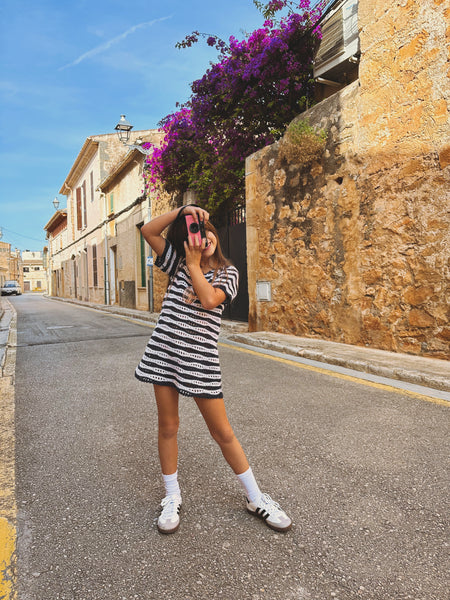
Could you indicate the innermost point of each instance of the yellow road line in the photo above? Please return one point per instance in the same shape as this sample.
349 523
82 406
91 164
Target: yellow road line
354 379
7 553
8 510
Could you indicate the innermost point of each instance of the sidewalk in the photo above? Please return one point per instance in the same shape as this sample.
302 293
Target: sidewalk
427 372
7 313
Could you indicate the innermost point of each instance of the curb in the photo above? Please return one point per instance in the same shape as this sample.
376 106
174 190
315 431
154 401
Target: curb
8 508
8 333
409 376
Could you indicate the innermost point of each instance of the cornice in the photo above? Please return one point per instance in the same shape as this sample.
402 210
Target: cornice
56 219
84 157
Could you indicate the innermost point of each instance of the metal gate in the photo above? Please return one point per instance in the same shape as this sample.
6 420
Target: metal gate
233 239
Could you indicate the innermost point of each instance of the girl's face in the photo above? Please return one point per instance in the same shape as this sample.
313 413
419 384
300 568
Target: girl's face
211 240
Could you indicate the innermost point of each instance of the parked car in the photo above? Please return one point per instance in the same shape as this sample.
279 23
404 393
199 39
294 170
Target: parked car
11 287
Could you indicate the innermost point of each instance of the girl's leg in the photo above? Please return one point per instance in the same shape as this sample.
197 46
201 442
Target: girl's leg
214 413
168 422
260 505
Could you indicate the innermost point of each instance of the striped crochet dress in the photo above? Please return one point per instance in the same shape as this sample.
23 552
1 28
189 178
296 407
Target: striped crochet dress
182 351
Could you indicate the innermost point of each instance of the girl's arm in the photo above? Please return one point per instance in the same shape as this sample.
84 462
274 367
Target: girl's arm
153 229
209 296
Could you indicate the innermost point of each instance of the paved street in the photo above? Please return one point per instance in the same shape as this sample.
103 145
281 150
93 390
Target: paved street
362 471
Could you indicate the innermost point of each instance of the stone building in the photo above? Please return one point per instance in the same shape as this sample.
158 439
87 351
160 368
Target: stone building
56 230
132 281
34 272
96 250
5 250
10 264
354 246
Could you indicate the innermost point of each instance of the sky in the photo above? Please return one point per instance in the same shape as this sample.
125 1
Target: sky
69 70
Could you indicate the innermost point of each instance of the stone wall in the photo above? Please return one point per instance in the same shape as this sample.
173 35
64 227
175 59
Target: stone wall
356 245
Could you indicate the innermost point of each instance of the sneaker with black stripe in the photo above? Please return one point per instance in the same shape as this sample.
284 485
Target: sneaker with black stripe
269 511
169 519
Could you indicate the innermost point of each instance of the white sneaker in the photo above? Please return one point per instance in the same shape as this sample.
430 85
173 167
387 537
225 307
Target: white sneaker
169 519
270 512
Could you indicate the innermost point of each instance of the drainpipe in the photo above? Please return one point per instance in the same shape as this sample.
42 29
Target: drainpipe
105 239
71 222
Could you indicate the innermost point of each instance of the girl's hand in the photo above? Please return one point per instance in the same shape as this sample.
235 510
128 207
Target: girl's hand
194 252
198 213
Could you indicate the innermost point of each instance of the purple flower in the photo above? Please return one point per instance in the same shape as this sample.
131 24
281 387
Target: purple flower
253 91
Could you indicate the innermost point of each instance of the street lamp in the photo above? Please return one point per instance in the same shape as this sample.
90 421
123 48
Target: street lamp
123 129
56 203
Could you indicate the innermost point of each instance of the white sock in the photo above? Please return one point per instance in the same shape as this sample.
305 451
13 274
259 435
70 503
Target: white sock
250 486
171 484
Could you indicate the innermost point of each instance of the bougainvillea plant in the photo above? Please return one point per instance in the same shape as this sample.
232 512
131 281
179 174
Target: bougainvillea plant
243 102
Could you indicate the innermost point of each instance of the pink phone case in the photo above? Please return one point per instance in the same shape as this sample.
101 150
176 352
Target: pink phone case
193 228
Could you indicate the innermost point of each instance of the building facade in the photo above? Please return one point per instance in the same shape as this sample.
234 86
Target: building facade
96 250
10 264
34 271
56 230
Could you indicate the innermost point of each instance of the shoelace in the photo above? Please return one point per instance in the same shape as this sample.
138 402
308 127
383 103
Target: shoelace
170 506
270 505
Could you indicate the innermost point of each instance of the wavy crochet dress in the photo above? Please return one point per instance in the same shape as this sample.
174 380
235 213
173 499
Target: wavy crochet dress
182 351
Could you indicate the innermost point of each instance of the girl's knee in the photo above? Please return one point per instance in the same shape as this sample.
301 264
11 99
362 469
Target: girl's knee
168 429
223 436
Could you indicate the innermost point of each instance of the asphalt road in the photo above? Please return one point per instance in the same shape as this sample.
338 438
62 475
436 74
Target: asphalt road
362 471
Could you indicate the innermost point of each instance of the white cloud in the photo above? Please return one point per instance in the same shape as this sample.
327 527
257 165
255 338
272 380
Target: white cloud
106 45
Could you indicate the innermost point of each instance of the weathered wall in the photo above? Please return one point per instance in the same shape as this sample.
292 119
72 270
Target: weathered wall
356 245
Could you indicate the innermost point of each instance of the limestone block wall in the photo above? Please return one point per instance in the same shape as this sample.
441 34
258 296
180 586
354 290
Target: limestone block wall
356 245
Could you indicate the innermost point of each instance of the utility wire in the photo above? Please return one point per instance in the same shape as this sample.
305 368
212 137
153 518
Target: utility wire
21 235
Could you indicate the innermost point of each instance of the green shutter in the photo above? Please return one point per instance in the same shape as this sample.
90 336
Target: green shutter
143 271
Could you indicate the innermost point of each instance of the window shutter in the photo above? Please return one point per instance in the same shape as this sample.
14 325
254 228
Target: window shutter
79 223
94 265
142 257
84 205
92 185
332 43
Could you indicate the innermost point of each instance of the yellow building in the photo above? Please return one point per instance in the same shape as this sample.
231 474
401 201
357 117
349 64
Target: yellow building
10 264
34 272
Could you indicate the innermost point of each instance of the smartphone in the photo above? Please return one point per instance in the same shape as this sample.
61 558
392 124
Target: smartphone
195 229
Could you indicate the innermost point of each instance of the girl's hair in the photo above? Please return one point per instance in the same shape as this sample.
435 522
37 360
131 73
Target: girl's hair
177 234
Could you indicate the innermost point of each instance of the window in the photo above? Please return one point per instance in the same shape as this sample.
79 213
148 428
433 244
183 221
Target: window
26 269
94 265
37 268
111 203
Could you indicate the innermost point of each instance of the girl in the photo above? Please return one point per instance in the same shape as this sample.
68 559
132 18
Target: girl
182 356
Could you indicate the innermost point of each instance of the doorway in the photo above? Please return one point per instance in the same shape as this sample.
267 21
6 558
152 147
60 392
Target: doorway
114 294
233 239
